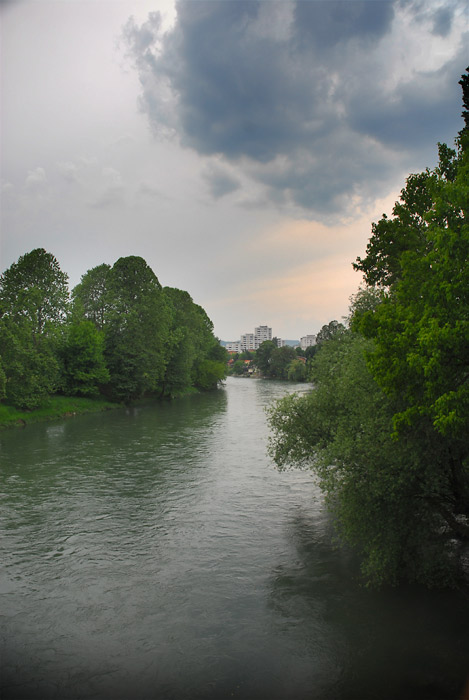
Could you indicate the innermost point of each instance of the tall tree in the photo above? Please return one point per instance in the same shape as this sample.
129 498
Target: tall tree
33 305
263 356
91 294
35 288
136 329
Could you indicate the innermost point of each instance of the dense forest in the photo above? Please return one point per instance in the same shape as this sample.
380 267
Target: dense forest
119 334
386 427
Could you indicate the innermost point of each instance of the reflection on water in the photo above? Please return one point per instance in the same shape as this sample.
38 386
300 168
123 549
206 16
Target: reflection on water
156 553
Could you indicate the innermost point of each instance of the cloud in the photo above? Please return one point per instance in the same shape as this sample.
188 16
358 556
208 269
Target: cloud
36 179
443 19
111 190
220 182
101 186
144 189
323 103
68 170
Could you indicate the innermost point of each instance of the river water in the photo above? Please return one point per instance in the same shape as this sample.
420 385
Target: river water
156 553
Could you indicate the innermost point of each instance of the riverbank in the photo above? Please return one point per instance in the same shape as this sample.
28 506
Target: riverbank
67 406
54 407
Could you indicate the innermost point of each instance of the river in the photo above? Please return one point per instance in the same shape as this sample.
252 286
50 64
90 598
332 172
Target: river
156 553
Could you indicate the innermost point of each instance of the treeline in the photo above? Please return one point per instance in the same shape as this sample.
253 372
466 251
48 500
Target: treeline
119 334
286 363
386 426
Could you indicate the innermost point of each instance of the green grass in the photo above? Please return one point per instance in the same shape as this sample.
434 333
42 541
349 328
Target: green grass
53 407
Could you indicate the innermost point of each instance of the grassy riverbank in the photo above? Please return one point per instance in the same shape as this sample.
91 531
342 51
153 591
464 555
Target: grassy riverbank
53 407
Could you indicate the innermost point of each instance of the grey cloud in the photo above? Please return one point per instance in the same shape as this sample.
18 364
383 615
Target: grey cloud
442 21
147 190
324 24
309 89
417 113
220 182
439 18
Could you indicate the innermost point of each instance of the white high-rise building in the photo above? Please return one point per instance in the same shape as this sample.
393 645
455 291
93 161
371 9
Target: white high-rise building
251 341
307 341
262 333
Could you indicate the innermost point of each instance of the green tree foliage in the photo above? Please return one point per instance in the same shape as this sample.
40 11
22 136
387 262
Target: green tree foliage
181 342
31 369
210 365
136 329
3 380
296 371
33 305
122 334
239 368
35 288
82 354
421 326
91 295
328 331
208 373
381 492
263 356
195 355
280 361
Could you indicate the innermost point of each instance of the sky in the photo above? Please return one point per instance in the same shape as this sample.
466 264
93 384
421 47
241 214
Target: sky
242 148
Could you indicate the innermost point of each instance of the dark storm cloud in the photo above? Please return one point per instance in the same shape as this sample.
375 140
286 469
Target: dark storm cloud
302 95
416 113
324 24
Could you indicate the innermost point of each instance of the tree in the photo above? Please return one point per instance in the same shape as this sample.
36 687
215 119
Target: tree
296 371
91 294
35 288
31 369
181 342
280 361
33 306
263 356
208 373
379 491
328 331
82 355
239 368
421 326
136 329
3 380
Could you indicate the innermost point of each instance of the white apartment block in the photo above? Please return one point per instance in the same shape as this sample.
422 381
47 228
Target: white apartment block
248 342
307 341
251 341
262 333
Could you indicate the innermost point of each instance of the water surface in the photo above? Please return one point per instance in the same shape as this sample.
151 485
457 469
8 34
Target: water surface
156 553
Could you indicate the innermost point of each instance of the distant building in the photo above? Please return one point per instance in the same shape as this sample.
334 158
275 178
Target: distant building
248 341
261 334
233 347
307 341
280 342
